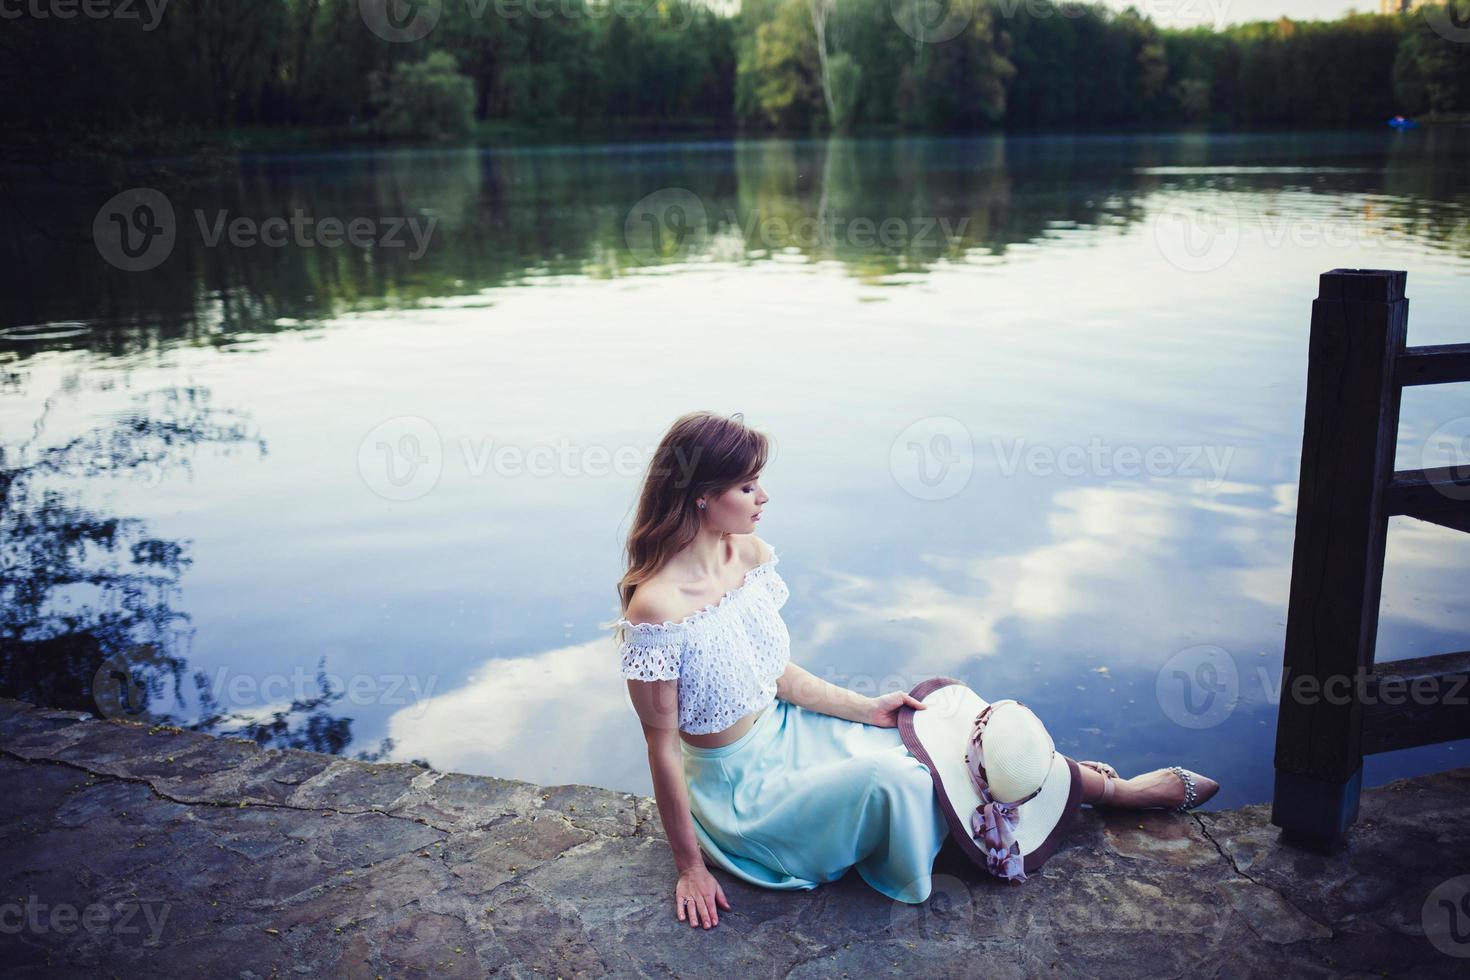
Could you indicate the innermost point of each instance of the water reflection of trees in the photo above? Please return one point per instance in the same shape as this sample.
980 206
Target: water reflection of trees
508 216
952 198
87 617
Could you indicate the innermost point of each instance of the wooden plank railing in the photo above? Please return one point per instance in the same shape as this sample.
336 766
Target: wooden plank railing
1440 495
1441 364
1357 367
1423 701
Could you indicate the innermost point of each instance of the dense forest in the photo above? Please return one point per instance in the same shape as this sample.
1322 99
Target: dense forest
795 66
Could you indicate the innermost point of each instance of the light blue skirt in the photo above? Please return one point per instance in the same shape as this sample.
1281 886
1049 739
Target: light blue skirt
803 796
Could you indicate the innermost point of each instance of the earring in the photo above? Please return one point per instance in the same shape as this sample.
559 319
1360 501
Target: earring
701 505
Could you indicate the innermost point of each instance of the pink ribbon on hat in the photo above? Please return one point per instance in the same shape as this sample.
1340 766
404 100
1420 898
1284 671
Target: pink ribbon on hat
993 824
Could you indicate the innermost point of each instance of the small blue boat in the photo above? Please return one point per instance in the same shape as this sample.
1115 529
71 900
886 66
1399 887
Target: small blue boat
1399 122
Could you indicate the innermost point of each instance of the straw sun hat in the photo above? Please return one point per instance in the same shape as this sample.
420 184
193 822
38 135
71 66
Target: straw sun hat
1007 794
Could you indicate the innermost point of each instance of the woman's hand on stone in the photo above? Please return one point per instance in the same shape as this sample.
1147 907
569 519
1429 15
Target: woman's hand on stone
695 897
883 710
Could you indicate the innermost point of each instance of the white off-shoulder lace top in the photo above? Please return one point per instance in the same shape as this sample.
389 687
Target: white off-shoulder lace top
727 656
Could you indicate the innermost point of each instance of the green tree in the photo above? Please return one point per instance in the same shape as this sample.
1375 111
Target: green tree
846 79
783 65
1431 72
423 98
959 83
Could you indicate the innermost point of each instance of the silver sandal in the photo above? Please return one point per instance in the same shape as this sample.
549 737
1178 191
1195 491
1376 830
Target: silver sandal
1190 797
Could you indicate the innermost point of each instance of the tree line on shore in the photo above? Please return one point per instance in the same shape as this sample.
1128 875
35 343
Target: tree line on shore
791 66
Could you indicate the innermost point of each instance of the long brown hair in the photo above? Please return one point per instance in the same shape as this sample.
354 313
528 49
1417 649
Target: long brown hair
701 453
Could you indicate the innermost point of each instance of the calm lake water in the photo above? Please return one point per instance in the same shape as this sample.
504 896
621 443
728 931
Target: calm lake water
1036 406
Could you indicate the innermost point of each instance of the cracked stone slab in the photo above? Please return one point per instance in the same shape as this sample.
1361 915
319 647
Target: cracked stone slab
1269 915
282 862
1159 836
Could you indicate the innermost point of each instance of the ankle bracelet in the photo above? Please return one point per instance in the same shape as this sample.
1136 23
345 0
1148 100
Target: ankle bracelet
1189 794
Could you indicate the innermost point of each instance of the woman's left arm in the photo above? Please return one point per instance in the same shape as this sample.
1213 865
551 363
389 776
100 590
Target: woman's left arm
801 687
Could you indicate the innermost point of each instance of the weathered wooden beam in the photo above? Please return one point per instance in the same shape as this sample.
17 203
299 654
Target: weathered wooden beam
1440 494
1455 517
1423 701
1434 365
1359 324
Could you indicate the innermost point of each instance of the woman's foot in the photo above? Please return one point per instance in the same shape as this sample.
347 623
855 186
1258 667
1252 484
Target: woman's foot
1173 788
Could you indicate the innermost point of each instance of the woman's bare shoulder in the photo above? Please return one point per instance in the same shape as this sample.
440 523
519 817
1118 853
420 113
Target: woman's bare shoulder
654 601
760 552
660 598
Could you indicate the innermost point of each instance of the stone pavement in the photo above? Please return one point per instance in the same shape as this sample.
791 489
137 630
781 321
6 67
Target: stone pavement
132 851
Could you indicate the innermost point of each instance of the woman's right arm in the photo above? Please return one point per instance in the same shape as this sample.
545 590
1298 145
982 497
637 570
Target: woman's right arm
657 704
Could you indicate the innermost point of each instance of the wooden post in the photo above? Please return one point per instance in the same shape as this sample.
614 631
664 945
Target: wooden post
1359 323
